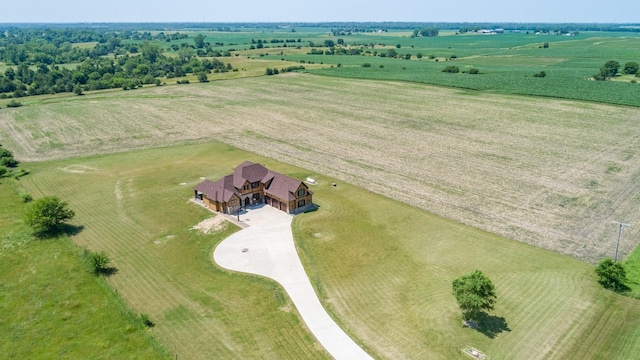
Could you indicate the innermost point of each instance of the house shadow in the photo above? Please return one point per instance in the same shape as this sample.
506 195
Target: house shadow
489 325
312 207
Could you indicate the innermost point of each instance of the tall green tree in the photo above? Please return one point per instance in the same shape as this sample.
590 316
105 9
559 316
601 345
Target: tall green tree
611 275
48 214
429 31
199 41
608 70
631 67
474 293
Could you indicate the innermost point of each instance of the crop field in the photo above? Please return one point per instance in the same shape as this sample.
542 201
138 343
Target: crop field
506 63
552 173
382 268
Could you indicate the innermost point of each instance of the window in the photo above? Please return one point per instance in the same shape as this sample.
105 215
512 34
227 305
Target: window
301 192
300 203
255 184
232 202
246 187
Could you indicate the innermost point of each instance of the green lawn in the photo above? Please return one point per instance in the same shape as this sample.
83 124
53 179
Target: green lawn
52 307
133 207
383 269
632 267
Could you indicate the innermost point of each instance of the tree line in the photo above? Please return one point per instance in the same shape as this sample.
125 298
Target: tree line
611 68
37 61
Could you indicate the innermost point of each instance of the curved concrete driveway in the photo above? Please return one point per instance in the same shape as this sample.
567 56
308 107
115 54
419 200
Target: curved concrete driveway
270 252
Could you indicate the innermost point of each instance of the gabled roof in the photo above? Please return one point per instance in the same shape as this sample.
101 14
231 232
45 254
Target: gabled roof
282 186
221 190
278 185
248 171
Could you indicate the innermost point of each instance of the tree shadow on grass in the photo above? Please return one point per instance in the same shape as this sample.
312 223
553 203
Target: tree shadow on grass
617 286
489 325
64 229
107 271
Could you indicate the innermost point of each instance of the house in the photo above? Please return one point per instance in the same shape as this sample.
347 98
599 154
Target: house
252 184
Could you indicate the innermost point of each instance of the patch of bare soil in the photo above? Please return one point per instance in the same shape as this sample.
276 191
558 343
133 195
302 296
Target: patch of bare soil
211 225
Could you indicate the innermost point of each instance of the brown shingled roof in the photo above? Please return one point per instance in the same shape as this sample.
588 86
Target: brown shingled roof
221 190
277 185
248 171
282 186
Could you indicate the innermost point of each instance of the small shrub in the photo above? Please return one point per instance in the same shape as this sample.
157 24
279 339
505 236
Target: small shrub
541 74
202 77
8 161
14 104
381 66
97 262
451 69
473 71
146 321
366 65
26 197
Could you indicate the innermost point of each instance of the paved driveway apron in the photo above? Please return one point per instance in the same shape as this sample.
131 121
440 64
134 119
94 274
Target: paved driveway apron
266 248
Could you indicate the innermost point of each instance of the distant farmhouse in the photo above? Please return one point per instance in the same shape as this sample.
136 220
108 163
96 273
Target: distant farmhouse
253 184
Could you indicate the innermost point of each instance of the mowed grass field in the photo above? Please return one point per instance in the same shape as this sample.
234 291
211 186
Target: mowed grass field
51 307
382 268
133 207
553 173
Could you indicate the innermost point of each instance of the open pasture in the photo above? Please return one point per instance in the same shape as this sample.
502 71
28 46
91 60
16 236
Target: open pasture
52 307
382 268
553 173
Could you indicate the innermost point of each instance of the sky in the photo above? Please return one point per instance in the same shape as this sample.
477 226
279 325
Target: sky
548 11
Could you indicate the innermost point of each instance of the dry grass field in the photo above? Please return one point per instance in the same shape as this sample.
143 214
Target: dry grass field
552 173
